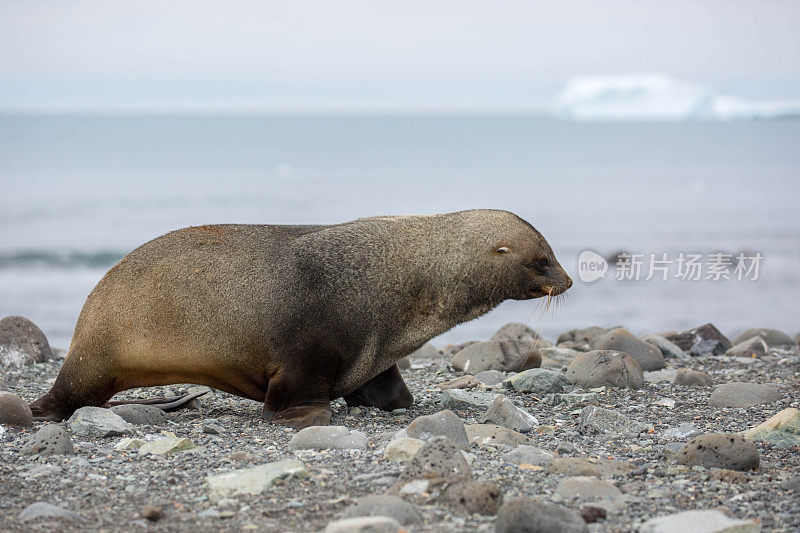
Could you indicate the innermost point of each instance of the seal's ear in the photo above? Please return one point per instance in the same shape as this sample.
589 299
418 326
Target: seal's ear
502 250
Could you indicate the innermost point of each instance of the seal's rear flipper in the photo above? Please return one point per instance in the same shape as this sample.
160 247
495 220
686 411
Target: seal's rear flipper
165 404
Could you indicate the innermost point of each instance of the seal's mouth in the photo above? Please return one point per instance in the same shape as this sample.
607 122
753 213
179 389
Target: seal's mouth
549 290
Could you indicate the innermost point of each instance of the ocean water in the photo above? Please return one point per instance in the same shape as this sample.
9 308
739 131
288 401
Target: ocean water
78 192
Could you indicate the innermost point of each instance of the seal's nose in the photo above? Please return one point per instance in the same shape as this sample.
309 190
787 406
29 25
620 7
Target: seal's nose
569 282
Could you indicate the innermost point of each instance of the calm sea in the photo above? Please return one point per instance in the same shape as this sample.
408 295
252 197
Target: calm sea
80 192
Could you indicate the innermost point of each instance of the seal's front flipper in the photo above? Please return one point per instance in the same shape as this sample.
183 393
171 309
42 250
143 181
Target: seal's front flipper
386 391
165 404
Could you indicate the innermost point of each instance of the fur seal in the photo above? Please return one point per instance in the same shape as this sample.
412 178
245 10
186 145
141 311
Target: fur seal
296 316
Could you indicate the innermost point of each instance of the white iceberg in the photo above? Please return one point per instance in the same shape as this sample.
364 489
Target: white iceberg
658 97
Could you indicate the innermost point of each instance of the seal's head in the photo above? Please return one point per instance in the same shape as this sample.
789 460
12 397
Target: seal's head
527 263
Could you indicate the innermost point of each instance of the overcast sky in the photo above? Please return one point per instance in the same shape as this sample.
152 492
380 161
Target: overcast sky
299 55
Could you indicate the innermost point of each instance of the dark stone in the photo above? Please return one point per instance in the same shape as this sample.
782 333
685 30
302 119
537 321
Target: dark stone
592 514
692 378
702 341
141 415
605 368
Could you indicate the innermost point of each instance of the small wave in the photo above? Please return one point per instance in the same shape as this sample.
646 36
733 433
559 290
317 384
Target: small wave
66 259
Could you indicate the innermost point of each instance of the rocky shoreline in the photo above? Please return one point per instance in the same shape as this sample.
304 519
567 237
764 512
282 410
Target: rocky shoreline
600 430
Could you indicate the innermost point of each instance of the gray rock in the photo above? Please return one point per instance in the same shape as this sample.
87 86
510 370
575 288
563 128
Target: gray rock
515 331
682 432
668 349
444 423
451 350
49 440
474 497
741 394
253 480
574 346
438 458
599 420
47 511
98 422
753 347
505 356
582 466
14 411
464 382
22 343
526 515
530 455
365 524
385 505
582 335
720 450
494 435
404 363
672 450
426 351
773 337
700 521
793 483
692 378
537 380
559 354
490 377
600 368
328 438
573 399
658 376
504 413
587 488
621 340
402 449
702 341
141 415
461 399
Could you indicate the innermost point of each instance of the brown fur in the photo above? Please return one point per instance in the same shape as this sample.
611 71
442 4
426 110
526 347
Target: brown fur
295 315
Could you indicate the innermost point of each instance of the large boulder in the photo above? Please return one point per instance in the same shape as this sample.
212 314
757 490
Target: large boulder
474 497
22 343
505 356
701 341
773 337
753 347
601 420
537 380
781 430
600 368
648 356
504 413
438 458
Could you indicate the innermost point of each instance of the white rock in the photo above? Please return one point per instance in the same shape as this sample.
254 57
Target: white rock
253 480
166 446
402 449
365 524
700 521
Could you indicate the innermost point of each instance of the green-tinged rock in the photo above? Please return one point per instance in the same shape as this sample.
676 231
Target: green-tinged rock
166 446
129 443
571 399
253 480
781 430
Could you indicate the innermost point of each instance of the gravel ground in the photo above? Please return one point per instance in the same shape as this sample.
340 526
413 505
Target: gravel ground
110 488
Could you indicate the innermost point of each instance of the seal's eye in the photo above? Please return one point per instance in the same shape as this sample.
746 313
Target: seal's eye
542 263
502 250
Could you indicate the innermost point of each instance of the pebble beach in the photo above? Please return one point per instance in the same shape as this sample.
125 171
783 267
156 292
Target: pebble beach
596 430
